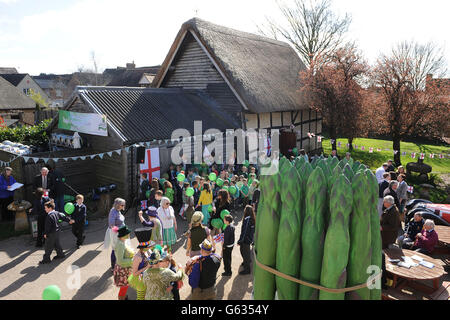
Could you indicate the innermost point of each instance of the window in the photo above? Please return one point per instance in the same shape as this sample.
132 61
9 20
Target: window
26 91
58 93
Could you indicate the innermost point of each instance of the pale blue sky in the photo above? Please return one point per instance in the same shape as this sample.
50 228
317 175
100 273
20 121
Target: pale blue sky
57 36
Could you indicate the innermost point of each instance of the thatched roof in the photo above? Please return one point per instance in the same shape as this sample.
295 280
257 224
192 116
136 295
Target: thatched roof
12 98
263 72
143 114
131 77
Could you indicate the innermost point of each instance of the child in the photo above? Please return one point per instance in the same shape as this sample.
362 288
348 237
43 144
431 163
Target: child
51 232
185 198
195 185
168 191
145 185
189 211
206 199
244 193
79 215
228 245
158 196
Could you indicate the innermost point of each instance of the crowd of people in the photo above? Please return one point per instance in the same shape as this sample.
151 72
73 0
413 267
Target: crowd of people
207 198
418 235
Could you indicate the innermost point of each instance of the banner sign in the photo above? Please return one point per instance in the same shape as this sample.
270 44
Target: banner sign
90 123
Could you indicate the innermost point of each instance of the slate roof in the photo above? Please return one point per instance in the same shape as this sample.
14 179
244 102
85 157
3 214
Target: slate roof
144 114
264 72
12 98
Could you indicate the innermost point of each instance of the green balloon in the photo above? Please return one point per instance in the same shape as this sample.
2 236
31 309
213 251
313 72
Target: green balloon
190 191
181 177
212 176
69 208
225 188
210 208
295 151
224 213
246 163
219 182
217 223
51 293
147 194
232 190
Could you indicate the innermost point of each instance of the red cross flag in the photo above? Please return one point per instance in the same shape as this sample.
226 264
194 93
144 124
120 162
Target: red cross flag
362 147
441 156
413 155
422 156
379 149
370 150
410 189
151 164
432 155
319 139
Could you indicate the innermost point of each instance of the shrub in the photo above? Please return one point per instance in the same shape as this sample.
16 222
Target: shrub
29 135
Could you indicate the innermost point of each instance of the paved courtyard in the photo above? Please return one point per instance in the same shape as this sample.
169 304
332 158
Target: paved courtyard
21 276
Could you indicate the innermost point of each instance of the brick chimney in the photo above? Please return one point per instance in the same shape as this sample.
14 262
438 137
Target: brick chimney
131 66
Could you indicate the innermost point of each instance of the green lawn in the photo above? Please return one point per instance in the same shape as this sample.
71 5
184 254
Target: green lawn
375 159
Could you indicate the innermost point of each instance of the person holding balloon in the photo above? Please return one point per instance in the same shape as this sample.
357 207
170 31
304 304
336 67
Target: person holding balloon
221 203
78 212
52 230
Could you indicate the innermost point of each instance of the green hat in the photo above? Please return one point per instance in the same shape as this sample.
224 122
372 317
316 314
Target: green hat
123 231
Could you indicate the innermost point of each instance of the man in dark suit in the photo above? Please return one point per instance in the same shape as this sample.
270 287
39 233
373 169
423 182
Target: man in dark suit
58 188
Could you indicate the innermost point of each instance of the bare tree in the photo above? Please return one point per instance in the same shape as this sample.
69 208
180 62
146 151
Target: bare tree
310 26
408 105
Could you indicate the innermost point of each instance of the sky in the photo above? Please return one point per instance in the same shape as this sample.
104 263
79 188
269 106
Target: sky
59 36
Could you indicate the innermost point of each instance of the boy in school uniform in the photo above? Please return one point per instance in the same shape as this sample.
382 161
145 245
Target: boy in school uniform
228 245
52 230
79 215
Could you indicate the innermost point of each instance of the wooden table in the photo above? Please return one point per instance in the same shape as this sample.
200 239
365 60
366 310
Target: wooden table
413 274
443 234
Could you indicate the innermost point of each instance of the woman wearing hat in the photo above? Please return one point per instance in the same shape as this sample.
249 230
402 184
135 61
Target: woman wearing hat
159 276
153 222
197 234
6 196
124 255
140 262
169 223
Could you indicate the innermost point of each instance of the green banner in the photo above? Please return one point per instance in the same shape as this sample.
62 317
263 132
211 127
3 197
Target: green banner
90 123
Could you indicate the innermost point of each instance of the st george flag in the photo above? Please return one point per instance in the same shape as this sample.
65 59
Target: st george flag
370 150
379 149
432 156
362 147
151 164
319 139
441 156
413 155
422 156
410 189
